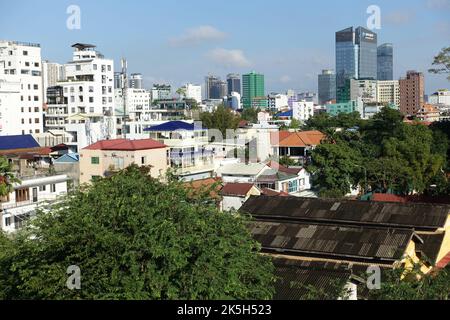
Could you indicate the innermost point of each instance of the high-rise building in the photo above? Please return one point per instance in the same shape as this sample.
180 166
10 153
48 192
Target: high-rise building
327 86
412 90
388 92
215 88
252 87
356 57
192 91
136 81
234 83
52 73
365 89
21 105
385 62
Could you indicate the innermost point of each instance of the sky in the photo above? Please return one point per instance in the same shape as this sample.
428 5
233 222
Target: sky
180 41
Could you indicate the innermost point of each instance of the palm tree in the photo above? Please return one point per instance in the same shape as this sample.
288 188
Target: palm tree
7 178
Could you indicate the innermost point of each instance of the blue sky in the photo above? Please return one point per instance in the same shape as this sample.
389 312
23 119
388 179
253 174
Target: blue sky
178 41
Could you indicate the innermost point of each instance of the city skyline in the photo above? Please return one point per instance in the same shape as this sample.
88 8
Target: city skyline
186 50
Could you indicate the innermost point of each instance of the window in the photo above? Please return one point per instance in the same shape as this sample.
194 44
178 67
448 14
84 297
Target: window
35 87
78 67
36 120
25 53
42 188
95 160
143 160
7 221
91 99
36 64
36 109
36 98
94 67
53 188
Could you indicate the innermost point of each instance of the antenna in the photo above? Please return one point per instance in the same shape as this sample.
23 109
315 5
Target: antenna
124 77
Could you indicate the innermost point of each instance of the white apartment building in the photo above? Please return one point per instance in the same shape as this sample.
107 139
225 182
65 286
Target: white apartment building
52 73
302 110
388 92
21 88
33 192
161 92
235 100
441 97
137 103
193 91
278 101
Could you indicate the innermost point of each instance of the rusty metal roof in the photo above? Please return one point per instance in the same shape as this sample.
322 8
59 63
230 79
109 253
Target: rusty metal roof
419 216
339 243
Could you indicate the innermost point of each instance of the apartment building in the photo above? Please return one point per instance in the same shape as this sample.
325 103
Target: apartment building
106 157
412 91
388 92
21 106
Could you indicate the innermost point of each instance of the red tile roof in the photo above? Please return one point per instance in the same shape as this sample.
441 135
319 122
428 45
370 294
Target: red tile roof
384 197
236 189
126 145
296 139
273 193
276 166
381 197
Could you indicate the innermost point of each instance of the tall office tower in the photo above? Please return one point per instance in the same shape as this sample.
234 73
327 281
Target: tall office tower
356 58
412 91
234 83
52 73
136 81
385 62
215 88
21 98
327 86
252 87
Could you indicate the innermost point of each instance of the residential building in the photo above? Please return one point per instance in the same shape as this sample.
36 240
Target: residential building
385 62
137 103
440 97
105 157
277 102
356 57
308 97
136 81
428 113
52 73
21 88
388 92
118 81
412 90
346 107
193 91
235 194
365 89
234 83
161 92
39 184
327 86
302 110
295 145
215 88
188 155
57 109
252 87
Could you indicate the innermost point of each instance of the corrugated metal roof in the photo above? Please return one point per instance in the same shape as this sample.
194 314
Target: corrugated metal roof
18 142
332 242
398 215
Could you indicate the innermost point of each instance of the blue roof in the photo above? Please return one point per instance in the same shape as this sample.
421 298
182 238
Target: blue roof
285 114
173 126
68 158
18 142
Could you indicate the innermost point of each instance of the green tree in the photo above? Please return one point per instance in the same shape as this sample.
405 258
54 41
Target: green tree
295 124
7 178
222 119
442 61
250 114
134 237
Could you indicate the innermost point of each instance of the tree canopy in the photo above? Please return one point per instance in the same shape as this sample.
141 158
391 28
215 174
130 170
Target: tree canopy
222 119
134 237
442 63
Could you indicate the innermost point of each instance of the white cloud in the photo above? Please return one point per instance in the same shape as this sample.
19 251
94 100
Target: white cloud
228 58
198 35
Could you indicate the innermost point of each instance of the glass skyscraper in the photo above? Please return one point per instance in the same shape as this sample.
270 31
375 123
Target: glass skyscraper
385 57
327 86
234 83
215 88
252 87
356 57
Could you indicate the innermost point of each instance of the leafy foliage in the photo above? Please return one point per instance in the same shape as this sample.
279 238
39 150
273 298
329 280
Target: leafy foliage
135 238
222 119
442 60
7 178
250 114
